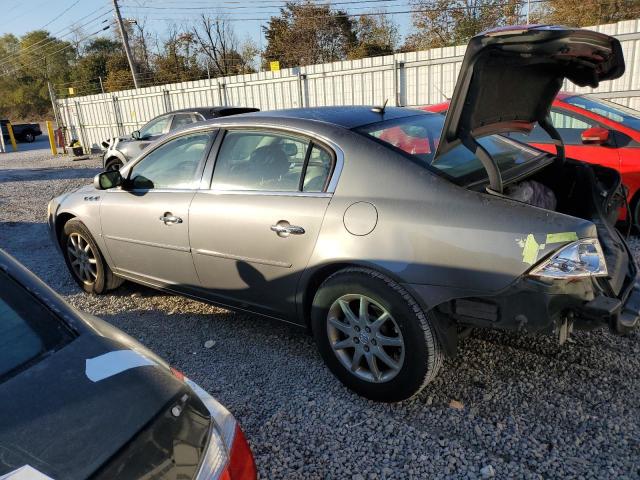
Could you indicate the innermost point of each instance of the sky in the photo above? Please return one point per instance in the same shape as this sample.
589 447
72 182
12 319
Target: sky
21 16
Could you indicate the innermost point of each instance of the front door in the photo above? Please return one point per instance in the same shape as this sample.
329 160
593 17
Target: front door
145 225
253 232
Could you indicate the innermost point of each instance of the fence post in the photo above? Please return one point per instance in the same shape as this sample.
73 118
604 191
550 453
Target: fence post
166 96
117 115
302 84
397 81
83 135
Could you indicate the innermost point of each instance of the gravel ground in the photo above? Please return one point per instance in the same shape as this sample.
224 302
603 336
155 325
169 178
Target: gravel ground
529 408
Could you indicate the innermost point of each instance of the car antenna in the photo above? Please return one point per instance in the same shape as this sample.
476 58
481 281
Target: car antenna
442 93
380 109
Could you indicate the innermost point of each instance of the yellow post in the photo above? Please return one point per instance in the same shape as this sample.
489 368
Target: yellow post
52 139
11 137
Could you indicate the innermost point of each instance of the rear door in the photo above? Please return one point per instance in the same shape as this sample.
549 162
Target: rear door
253 231
182 120
146 225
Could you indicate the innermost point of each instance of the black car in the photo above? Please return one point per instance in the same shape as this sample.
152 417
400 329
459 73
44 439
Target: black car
81 399
23 132
121 150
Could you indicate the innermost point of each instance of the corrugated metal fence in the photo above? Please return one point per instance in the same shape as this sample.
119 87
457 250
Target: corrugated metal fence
410 79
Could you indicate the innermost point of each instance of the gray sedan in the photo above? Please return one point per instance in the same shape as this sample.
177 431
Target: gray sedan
386 231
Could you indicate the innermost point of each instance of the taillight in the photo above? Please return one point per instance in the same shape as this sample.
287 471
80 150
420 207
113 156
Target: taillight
228 456
178 374
241 465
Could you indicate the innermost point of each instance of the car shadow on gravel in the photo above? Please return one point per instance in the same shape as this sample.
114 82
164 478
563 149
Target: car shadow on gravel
37 174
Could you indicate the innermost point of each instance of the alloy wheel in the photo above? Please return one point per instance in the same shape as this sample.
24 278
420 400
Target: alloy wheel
365 338
82 258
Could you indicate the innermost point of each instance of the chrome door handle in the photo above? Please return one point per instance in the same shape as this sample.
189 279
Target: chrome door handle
169 219
284 229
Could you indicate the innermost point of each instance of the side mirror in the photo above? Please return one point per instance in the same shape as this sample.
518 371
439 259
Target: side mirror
135 134
107 180
595 135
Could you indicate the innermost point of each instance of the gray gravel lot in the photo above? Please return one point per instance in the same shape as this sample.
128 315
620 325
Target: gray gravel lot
530 409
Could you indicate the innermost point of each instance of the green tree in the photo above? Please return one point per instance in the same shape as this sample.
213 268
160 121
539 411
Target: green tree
178 61
375 36
583 13
92 65
25 67
308 33
441 23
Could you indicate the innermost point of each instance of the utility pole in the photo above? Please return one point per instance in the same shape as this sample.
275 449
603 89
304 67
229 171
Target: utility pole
125 43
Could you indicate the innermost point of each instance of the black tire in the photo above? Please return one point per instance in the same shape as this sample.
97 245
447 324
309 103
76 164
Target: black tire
113 164
421 357
29 137
100 279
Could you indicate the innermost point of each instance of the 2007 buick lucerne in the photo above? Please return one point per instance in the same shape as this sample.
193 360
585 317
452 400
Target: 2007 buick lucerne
385 230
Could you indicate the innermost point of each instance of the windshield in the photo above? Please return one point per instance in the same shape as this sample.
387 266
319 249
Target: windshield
28 330
613 111
418 136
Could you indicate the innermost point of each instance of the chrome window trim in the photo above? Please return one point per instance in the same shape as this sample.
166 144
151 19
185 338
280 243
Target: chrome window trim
270 193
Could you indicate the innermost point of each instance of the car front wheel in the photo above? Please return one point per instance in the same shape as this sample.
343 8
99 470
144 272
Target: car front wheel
84 260
374 336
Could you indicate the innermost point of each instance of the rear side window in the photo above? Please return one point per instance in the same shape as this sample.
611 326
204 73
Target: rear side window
270 161
182 120
28 330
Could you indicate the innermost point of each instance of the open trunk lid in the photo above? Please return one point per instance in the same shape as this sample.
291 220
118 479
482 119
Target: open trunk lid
510 76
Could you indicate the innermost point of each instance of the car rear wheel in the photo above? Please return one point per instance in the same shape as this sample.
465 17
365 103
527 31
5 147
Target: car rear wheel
374 336
84 260
113 164
29 137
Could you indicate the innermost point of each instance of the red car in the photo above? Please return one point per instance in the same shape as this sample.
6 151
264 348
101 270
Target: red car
595 131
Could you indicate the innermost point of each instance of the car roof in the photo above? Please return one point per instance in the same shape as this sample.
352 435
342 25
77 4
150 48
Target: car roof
212 112
346 117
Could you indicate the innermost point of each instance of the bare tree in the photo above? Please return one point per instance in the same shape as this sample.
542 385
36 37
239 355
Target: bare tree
219 45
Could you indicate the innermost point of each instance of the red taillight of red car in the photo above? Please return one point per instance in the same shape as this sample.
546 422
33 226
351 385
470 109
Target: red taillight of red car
241 465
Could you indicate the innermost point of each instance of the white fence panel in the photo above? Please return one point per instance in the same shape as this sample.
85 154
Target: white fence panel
411 79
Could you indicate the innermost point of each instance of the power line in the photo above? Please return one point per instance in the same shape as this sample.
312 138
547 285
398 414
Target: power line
347 14
253 7
60 14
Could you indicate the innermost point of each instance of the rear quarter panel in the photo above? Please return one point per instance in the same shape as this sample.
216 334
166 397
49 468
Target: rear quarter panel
430 231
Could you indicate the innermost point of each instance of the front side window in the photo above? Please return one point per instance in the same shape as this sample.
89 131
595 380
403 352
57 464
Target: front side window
418 137
269 161
28 330
155 127
174 165
570 128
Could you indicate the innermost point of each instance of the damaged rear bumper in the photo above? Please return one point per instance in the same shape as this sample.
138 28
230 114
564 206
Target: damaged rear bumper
555 307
